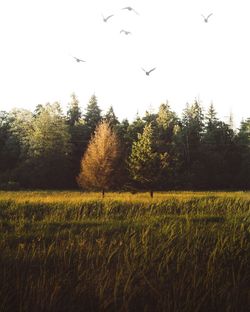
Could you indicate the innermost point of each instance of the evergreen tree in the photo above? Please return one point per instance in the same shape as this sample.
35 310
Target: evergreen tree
111 118
192 131
17 144
218 153
134 129
92 117
6 161
167 128
74 111
243 145
100 161
211 120
144 162
49 149
77 137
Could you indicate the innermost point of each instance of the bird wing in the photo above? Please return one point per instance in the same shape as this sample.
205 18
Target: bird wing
151 70
209 15
126 8
144 70
203 16
108 17
135 12
77 59
122 31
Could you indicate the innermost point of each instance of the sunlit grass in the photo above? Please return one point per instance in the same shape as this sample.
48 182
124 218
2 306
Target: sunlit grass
74 251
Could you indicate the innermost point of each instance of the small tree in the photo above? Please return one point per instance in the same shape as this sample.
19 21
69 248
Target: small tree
99 163
145 163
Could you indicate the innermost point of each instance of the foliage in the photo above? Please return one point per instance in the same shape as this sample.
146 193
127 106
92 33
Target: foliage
99 163
74 111
43 149
144 162
49 147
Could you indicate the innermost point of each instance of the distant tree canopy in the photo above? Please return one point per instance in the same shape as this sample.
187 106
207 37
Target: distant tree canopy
159 151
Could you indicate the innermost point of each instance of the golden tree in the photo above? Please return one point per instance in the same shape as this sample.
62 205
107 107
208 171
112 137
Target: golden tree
100 161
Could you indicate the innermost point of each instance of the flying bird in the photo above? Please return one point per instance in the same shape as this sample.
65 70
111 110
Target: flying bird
105 19
130 9
148 72
206 18
125 32
78 60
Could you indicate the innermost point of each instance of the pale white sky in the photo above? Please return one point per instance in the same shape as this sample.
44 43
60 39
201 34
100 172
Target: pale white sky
193 59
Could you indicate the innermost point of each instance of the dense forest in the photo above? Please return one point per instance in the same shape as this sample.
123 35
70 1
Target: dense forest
160 151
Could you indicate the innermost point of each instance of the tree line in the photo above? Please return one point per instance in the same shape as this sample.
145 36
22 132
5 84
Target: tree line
48 149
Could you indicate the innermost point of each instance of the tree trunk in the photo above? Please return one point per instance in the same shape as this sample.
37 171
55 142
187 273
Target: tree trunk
151 194
103 193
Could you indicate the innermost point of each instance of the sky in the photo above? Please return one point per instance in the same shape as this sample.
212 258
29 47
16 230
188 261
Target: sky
209 62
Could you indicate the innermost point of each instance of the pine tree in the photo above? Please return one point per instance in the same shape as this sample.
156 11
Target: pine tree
77 137
111 118
192 132
144 162
49 148
167 128
74 111
99 162
92 117
243 144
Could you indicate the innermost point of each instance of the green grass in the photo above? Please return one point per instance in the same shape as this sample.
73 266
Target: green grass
72 251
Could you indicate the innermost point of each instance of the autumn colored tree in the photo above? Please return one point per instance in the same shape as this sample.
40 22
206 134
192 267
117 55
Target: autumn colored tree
100 161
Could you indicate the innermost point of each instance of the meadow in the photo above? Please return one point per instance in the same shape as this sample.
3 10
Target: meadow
74 251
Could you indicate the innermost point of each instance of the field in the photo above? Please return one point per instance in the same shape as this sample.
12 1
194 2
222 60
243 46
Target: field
72 251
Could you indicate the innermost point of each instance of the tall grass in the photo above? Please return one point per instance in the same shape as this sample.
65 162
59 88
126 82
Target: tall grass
71 251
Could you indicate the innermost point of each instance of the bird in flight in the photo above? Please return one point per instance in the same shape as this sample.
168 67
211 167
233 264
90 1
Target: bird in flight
130 9
148 72
78 60
105 19
206 18
125 32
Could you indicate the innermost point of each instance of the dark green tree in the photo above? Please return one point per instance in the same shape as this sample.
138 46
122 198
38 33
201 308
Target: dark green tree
92 117
144 162
191 133
111 118
77 137
49 149
219 153
167 129
243 145
74 111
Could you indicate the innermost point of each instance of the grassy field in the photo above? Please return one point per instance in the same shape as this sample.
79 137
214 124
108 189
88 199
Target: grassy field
72 251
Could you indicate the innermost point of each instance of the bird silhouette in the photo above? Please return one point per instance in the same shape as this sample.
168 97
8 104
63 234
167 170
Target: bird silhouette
105 19
206 18
78 60
125 32
130 9
148 72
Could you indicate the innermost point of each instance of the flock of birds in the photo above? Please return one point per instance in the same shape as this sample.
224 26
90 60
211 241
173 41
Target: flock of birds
126 32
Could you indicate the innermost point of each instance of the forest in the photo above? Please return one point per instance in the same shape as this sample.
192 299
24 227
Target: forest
160 151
